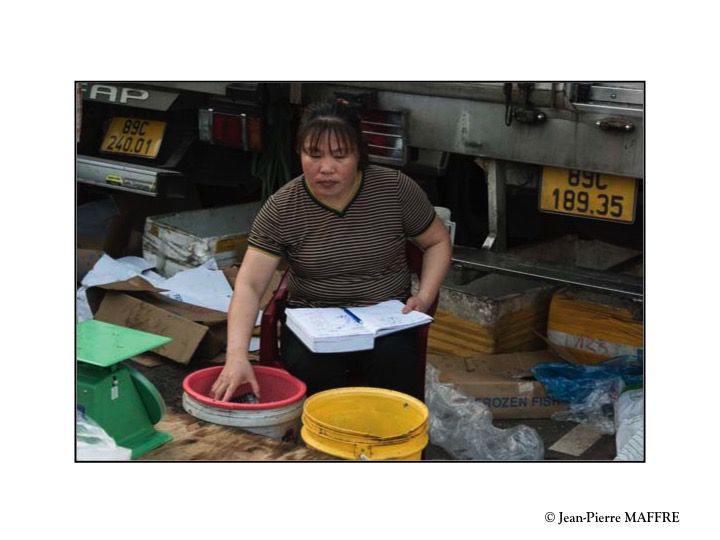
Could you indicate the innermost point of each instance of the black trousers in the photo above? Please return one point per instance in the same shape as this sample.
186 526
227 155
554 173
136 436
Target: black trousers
392 364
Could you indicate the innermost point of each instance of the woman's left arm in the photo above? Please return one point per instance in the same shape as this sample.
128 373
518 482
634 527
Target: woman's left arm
435 242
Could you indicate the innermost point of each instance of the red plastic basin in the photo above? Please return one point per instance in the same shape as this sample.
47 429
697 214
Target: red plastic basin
277 388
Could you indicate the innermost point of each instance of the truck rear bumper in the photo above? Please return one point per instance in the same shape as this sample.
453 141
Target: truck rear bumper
121 176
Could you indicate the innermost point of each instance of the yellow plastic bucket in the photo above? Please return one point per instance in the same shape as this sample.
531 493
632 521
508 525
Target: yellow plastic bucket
365 423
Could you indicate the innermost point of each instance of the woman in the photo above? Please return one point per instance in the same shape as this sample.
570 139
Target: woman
342 227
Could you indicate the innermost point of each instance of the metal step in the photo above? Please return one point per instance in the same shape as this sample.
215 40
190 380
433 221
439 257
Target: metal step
488 261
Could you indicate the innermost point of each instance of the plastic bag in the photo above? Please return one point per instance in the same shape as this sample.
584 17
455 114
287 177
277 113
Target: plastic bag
564 381
463 427
590 390
597 408
630 426
92 443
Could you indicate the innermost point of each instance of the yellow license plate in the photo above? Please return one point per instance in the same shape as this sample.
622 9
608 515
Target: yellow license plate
588 194
134 137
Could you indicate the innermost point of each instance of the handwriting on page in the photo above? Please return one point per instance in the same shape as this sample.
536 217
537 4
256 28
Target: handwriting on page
388 315
332 323
387 319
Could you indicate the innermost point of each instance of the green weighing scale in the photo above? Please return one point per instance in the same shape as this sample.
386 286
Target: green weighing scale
116 396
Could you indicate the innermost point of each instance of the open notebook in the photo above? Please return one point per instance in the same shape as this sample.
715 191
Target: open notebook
328 330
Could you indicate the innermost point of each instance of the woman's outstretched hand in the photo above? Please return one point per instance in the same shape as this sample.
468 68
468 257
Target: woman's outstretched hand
234 375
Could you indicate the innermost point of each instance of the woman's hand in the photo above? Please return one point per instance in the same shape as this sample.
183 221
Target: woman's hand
419 302
234 374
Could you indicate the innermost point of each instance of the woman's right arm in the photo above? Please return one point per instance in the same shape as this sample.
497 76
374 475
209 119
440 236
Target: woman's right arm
252 280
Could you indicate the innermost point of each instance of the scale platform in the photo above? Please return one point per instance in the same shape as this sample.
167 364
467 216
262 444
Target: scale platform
116 396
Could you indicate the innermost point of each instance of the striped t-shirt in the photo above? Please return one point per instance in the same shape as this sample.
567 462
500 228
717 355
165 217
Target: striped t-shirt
353 257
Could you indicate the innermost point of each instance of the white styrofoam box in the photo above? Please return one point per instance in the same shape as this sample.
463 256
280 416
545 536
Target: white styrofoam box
182 240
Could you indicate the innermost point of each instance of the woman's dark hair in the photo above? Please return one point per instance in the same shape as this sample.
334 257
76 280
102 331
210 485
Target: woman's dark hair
336 118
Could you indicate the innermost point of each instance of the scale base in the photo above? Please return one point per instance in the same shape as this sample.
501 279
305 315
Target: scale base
147 443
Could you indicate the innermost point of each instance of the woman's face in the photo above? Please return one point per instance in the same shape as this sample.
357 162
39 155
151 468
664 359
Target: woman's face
329 168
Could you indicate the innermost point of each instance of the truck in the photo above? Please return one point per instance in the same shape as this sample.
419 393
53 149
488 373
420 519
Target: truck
520 165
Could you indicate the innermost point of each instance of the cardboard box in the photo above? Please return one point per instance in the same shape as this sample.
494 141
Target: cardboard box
489 315
196 331
182 240
589 328
135 303
503 382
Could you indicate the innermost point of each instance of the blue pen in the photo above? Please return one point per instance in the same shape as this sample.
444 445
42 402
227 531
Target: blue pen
352 315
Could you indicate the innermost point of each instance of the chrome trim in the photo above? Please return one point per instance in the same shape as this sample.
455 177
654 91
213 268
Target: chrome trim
599 281
135 178
243 122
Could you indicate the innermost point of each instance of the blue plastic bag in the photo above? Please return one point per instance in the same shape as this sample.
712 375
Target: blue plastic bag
564 381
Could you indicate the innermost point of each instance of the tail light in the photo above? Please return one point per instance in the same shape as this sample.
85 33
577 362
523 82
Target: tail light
385 134
237 130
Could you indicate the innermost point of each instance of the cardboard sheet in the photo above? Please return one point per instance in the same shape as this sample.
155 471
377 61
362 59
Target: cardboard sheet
125 310
578 440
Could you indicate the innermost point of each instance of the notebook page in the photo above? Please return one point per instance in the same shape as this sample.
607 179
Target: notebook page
387 317
326 323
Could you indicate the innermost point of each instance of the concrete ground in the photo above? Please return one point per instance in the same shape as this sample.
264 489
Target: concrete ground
168 377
